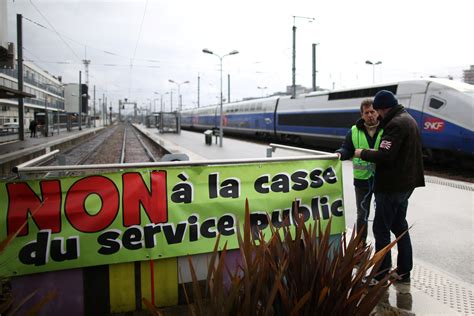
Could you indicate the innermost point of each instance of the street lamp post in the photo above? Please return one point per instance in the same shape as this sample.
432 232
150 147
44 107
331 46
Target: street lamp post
154 104
293 69
171 100
368 62
148 109
207 51
161 99
180 103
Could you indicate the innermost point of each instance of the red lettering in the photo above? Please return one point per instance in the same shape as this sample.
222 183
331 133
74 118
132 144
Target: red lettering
23 200
433 124
137 195
75 209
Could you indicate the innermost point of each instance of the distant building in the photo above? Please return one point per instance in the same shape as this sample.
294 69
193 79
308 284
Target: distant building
468 75
47 89
299 89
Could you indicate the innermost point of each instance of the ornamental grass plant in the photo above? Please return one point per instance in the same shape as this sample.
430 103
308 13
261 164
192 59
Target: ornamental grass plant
300 273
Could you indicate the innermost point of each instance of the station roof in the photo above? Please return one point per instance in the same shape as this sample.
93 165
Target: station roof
9 93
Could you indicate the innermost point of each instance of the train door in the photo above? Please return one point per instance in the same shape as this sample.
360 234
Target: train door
268 116
414 105
434 128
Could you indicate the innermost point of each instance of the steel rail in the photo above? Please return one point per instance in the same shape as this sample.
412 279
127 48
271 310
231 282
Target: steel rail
122 155
147 150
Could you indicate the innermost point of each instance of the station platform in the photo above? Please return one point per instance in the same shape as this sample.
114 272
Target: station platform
439 287
14 152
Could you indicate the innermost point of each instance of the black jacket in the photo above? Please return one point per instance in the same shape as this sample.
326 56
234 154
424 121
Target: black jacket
347 148
399 160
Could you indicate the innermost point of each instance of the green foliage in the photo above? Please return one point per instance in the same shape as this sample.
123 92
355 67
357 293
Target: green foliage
304 275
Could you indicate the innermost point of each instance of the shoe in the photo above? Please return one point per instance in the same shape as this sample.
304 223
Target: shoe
400 279
402 284
373 282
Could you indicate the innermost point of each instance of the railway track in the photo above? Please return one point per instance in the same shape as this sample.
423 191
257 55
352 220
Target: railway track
117 144
134 148
83 152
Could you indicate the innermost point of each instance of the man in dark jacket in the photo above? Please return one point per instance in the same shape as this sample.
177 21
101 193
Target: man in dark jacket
33 125
399 170
366 133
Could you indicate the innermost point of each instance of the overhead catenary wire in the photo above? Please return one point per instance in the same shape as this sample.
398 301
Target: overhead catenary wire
135 50
64 37
74 63
140 31
89 46
57 33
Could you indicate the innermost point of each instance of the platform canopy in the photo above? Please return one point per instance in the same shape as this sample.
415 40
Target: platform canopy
9 93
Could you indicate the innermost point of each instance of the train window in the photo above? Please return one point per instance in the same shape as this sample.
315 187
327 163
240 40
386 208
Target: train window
360 93
436 104
252 108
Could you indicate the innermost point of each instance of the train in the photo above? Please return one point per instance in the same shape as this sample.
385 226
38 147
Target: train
443 110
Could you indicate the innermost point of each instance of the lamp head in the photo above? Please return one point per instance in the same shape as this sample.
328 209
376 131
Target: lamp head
207 51
171 81
233 52
368 62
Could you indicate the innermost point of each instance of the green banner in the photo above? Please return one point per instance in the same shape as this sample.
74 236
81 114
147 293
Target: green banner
144 214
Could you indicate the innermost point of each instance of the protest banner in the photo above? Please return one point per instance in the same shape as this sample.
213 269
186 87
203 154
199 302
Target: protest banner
151 213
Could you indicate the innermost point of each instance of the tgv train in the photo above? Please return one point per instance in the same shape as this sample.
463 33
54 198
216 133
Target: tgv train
442 108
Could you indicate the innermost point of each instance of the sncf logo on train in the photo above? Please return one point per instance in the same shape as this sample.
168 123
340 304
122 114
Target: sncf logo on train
433 124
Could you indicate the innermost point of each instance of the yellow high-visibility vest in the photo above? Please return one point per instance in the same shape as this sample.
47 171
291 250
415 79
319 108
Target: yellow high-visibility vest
363 169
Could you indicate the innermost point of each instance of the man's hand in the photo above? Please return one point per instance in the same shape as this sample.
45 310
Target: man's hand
357 152
338 155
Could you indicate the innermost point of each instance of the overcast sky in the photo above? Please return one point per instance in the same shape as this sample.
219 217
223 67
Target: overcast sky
163 39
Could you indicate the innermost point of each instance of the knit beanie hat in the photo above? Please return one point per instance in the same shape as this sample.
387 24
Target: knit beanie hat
384 99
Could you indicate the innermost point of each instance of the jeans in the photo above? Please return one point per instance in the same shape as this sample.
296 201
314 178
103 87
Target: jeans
390 216
363 198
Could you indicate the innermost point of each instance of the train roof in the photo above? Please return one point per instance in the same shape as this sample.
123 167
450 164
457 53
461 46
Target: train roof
457 85
410 84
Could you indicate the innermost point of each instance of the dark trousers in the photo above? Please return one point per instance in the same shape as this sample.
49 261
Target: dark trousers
390 216
363 198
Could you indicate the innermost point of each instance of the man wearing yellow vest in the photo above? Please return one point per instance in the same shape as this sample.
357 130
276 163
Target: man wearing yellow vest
364 134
